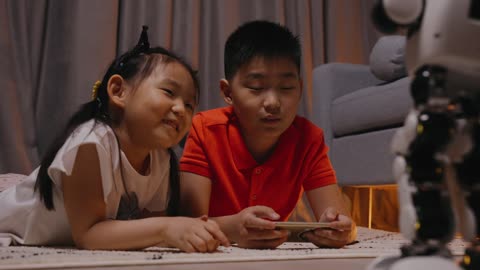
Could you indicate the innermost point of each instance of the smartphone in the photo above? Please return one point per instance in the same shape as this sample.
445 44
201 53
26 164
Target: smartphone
301 225
297 229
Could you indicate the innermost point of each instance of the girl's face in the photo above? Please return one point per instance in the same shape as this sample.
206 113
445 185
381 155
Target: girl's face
159 112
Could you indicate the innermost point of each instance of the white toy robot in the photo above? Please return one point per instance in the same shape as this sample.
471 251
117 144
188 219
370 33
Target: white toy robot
437 167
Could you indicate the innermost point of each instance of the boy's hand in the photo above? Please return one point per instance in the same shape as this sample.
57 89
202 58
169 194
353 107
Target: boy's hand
251 229
194 234
342 232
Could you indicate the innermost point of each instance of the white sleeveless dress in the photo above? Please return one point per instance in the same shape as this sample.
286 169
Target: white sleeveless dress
24 218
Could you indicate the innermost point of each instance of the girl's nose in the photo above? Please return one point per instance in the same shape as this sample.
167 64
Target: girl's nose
178 107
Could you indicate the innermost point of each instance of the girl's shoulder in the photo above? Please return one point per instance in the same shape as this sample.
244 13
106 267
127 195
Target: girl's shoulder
91 131
91 128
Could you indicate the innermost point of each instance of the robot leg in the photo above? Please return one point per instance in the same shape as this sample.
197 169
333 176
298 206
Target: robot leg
468 176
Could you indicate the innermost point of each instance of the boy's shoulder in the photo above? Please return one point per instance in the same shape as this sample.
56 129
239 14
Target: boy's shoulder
219 116
306 127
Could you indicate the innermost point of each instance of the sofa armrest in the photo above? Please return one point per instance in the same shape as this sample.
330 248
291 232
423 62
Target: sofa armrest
331 81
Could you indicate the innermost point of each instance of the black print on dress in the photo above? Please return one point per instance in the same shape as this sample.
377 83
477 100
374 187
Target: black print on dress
128 208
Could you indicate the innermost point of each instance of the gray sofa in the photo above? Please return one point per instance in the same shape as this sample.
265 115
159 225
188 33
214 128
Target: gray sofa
359 108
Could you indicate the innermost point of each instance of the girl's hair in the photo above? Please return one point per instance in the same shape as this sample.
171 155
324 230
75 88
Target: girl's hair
135 65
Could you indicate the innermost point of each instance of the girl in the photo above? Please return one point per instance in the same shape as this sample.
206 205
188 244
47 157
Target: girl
109 180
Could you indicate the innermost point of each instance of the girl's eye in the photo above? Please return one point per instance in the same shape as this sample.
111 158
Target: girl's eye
190 106
168 91
287 88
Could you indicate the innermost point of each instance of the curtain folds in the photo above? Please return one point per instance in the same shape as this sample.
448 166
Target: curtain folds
53 51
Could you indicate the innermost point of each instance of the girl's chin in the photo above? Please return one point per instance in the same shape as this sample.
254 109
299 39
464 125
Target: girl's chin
168 143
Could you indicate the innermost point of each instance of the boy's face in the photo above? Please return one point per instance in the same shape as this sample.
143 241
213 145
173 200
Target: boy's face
265 94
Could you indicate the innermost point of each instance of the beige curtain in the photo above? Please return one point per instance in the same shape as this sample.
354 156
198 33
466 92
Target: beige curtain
53 51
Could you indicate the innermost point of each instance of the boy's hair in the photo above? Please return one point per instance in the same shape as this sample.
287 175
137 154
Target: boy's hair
135 65
259 38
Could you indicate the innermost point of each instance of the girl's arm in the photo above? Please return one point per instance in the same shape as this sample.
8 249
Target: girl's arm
85 207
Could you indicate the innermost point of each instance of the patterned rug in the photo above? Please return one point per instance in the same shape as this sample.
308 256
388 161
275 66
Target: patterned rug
372 243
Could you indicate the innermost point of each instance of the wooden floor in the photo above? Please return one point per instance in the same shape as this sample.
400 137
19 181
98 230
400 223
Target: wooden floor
373 207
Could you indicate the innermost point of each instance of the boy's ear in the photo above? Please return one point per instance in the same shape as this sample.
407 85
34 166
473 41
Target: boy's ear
116 88
226 91
301 87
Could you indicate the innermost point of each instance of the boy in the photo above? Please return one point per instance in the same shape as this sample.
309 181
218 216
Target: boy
247 164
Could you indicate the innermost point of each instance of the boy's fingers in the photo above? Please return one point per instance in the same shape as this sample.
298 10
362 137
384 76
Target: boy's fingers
330 214
332 234
323 241
259 223
265 212
254 234
243 231
344 223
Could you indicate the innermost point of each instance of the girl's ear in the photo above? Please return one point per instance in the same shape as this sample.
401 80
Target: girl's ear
226 91
116 88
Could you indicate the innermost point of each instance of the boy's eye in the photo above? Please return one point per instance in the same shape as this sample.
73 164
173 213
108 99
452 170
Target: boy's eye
255 88
287 87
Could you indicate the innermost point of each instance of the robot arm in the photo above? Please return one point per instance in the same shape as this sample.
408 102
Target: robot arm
438 150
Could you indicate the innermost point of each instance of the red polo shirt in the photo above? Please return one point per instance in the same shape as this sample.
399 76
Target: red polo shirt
215 149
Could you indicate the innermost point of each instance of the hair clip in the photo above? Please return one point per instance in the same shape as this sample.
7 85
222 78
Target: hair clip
142 46
96 85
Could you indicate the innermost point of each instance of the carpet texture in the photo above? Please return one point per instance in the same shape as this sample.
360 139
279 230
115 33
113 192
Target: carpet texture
372 243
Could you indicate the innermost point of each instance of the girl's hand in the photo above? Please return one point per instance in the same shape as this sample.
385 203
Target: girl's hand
194 234
342 232
251 229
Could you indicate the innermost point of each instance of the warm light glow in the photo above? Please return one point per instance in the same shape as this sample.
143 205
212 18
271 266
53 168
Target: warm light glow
467 260
420 129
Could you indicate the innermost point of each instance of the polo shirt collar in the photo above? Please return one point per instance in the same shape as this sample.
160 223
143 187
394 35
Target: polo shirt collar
243 158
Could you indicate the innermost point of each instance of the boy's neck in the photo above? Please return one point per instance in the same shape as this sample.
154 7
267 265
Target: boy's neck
261 148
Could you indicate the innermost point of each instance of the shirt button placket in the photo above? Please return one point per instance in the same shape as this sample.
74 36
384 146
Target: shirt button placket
257 172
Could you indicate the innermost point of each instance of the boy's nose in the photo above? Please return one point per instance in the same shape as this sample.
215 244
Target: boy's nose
271 102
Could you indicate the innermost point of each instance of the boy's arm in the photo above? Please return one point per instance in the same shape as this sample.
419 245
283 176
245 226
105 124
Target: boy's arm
327 196
195 193
328 206
248 228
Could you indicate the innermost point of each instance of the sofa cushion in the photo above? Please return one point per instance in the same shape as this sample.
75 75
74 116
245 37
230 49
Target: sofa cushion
364 159
387 59
371 108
